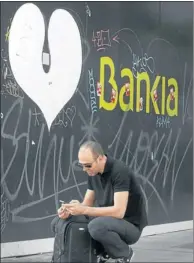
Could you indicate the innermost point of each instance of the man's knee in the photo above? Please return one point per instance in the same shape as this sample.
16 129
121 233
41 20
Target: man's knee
97 227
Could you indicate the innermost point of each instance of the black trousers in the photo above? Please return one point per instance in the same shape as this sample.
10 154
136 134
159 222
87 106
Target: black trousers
113 235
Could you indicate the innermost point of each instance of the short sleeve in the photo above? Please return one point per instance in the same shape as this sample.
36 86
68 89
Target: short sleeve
90 187
121 181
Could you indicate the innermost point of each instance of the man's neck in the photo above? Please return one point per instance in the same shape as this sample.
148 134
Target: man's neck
103 164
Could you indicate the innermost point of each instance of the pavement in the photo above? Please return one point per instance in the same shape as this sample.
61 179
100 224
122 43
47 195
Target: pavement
170 247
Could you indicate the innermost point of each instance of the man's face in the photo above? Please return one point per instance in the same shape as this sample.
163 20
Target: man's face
89 163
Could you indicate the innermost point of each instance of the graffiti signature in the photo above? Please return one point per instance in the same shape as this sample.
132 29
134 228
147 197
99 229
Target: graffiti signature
142 64
13 89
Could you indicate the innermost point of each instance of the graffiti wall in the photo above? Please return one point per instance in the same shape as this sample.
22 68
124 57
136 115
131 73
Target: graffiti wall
117 73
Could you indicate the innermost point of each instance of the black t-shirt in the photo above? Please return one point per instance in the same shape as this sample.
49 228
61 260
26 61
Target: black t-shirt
117 177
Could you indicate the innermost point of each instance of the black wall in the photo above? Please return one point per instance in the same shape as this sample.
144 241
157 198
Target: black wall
39 167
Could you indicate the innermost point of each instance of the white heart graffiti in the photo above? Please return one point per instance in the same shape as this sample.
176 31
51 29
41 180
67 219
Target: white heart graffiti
52 90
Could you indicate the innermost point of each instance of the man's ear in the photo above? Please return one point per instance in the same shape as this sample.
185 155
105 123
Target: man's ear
100 157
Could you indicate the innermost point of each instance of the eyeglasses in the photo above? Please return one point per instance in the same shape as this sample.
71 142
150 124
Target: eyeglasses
87 165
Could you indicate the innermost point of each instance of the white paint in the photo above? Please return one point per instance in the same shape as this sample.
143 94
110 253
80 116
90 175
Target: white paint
33 143
36 246
167 228
1 115
5 73
26 40
45 59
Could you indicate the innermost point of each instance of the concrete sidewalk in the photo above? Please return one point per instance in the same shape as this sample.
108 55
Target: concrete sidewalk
170 247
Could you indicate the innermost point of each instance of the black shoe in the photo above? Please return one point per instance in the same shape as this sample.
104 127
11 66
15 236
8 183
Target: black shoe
126 260
102 258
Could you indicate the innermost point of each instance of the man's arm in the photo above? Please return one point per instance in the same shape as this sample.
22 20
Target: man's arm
121 186
89 198
117 211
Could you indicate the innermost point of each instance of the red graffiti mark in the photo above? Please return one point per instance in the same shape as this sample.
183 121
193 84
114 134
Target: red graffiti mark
115 38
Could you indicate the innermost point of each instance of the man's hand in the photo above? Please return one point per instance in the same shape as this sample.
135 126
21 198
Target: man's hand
75 202
63 213
75 208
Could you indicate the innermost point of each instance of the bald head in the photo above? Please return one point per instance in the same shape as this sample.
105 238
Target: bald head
93 147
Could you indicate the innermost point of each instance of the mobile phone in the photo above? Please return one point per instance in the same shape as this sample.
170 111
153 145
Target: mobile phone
63 202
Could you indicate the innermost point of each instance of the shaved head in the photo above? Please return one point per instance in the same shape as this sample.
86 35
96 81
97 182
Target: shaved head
94 147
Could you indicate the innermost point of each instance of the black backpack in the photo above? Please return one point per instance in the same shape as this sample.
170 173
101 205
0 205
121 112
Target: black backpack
73 242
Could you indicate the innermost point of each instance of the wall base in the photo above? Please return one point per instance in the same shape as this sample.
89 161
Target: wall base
37 246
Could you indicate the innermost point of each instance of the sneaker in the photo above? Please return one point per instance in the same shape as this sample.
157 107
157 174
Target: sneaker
126 260
102 258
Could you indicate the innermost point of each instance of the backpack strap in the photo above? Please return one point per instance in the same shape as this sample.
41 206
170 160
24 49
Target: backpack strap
54 222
